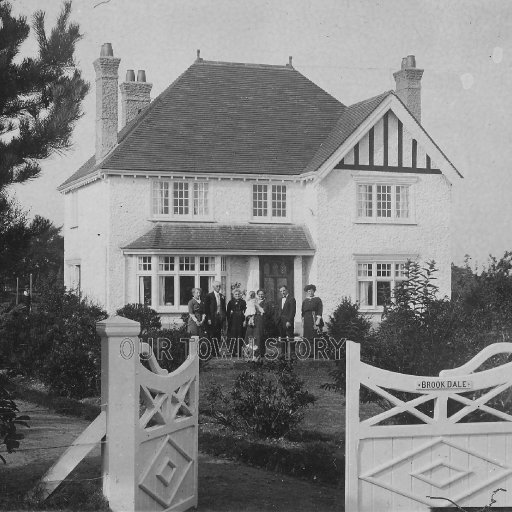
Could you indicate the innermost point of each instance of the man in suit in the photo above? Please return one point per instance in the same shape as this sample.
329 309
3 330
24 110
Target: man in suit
215 309
286 313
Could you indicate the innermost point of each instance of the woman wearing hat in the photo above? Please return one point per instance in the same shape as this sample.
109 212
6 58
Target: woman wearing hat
312 309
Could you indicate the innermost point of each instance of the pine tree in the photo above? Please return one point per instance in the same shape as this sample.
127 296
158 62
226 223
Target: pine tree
40 101
40 97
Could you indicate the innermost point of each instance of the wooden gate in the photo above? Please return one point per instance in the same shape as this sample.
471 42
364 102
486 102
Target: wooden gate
458 447
149 422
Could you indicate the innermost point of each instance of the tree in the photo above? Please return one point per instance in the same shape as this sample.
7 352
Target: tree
40 101
40 97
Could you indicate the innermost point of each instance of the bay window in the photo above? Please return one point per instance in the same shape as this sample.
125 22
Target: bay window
166 281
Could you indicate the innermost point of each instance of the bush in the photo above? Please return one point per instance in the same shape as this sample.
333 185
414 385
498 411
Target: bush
73 363
346 322
166 344
142 313
9 419
268 400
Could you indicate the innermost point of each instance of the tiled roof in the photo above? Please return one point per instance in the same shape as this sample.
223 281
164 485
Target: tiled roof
262 238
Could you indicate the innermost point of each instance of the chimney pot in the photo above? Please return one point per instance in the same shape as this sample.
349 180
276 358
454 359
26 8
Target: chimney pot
130 75
141 75
290 58
106 50
409 62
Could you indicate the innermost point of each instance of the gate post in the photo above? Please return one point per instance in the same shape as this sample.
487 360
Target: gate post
352 373
120 401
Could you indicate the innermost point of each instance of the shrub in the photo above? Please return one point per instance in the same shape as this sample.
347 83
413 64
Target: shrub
9 419
267 400
166 344
73 363
142 313
346 322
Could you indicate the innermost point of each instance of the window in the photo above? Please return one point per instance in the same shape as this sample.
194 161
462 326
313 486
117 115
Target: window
169 279
269 202
180 199
376 282
384 202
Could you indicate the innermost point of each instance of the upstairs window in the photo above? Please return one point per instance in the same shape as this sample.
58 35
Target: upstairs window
180 199
269 202
384 202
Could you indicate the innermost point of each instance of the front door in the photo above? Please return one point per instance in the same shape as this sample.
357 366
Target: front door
276 271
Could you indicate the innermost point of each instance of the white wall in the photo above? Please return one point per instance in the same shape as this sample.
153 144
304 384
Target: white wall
86 242
340 237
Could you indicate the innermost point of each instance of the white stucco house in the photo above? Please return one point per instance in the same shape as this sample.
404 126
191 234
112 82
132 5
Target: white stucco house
252 174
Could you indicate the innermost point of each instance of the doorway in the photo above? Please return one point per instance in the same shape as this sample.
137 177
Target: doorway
276 271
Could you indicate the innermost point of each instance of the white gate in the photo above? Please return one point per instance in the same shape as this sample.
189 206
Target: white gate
149 422
460 448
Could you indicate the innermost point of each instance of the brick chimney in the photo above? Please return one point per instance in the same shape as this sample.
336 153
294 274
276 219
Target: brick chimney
408 85
134 95
106 67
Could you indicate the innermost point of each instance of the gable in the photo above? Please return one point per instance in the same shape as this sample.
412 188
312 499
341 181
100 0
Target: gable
388 139
389 146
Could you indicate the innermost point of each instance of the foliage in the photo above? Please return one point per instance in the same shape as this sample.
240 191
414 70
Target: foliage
9 419
148 318
40 97
72 367
346 322
267 400
167 346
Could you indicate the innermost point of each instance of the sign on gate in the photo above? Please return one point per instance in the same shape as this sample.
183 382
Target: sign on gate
458 444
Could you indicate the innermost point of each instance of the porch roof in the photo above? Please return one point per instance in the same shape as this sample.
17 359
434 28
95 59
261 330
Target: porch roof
225 239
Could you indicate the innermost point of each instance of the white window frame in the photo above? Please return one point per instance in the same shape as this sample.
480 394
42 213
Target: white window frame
163 205
395 183
271 190
176 265
374 263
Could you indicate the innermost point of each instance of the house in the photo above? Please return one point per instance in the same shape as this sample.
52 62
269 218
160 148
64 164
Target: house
254 176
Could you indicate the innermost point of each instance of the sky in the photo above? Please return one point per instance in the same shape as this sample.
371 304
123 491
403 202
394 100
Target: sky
349 48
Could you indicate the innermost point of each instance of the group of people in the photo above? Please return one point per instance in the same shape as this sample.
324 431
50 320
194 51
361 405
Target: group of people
253 319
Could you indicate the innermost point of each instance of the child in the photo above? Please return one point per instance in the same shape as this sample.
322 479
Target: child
251 309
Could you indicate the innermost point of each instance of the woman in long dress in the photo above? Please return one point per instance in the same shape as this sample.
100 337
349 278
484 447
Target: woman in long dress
196 314
312 310
236 318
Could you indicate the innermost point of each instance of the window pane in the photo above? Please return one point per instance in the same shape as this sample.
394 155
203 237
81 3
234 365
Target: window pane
166 264
144 263
205 283
383 269
207 264
402 201
187 263
259 200
160 197
181 205
364 269
166 290
200 198
223 264
186 285
365 200
383 200
366 293
145 290
383 292
278 201
400 271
